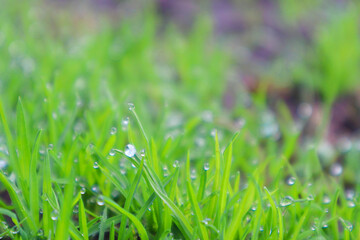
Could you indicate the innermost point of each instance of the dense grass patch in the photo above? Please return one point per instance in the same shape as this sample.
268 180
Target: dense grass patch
120 132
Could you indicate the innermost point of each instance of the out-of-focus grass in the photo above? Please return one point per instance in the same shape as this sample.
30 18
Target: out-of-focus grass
191 171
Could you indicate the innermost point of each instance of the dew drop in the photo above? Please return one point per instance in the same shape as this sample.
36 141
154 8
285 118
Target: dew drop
326 199
76 209
325 226
96 165
206 166
130 150
166 171
100 200
50 146
348 225
15 230
54 215
112 152
40 233
291 181
310 198
350 194
351 204
142 153
131 106
286 201
95 188
113 130
176 164
193 174
213 132
3 164
125 123
336 169
82 191
206 221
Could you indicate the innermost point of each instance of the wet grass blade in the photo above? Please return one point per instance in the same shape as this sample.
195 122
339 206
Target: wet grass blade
197 211
83 220
34 184
135 221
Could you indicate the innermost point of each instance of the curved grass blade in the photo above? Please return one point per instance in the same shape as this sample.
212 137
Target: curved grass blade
136 222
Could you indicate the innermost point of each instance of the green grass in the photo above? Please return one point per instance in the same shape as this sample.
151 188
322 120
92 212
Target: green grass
66 123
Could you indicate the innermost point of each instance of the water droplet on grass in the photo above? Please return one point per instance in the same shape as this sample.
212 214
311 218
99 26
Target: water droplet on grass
176 164
100 200
82 191
40 233
112 152
326 199
206 166
193 174
15 230
142 153
166 171
286 201
113 130
348 225
96 165
350 194
95 188
310 198
76 209
3 164
125 123
206 221
351 204
336 169
131 106
291 181
54 215
213 132
325 226
130 150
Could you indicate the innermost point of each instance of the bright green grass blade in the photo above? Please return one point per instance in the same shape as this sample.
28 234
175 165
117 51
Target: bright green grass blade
299 224
280 224
224 185
130 197
197 211
75 234
135 221
47 191
167 211
24 150
82 220
9 139
158 189
62 227
18 204
34 184
102 224
112 231
217 178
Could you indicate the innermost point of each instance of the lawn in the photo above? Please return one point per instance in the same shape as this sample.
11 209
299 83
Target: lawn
126 123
